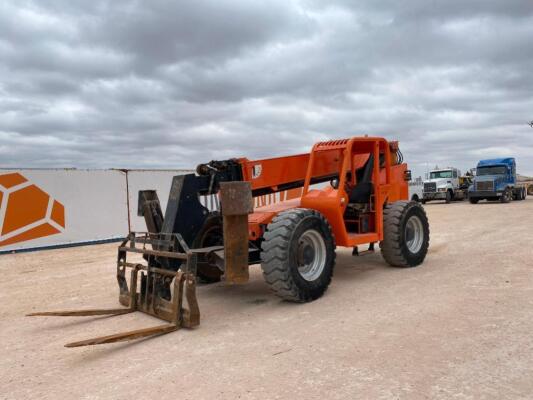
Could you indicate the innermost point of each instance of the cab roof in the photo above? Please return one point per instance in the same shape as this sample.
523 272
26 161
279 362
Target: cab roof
496 161
444 169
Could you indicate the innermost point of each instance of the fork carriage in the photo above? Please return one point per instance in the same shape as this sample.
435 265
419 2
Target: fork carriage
156 291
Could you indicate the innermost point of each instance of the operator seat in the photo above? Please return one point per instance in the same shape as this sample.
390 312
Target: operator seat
364 187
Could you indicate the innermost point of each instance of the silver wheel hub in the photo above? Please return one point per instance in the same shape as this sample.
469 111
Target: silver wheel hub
311 256
414 234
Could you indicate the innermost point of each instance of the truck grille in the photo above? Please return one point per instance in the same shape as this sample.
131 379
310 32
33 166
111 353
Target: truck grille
430 187
485 185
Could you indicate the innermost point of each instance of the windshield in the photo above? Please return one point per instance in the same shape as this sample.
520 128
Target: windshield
495 170
440 174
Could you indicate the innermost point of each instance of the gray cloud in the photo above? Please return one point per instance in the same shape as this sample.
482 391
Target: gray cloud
172 84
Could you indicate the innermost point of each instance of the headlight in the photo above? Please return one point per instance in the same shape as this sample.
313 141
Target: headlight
442 189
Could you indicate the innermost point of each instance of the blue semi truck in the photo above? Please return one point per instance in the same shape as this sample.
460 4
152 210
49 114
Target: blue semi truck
496 180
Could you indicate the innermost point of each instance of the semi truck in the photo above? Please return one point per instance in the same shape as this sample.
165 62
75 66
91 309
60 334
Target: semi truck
416 192
496 180
444 184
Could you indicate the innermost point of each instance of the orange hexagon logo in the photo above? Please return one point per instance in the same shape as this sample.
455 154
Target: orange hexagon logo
27 212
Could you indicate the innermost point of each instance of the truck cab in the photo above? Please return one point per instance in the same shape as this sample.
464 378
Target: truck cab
496 180
443 184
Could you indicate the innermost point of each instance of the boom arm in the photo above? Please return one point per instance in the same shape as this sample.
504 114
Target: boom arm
277 174
273 175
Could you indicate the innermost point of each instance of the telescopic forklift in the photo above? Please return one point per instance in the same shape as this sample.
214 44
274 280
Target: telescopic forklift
353 192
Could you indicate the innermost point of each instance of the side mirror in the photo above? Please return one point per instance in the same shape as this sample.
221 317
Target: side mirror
407 175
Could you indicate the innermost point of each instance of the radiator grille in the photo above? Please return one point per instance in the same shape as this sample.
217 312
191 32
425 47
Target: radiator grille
430 187
486 185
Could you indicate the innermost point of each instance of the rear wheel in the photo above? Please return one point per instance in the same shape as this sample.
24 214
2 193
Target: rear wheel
298 255
405 234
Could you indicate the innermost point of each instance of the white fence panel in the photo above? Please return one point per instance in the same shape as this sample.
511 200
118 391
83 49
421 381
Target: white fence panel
61 206
56 207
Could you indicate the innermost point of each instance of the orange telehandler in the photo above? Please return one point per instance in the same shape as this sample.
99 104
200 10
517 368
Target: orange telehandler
352 192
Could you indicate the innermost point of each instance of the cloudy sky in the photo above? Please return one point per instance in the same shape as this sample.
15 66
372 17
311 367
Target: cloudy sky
159 84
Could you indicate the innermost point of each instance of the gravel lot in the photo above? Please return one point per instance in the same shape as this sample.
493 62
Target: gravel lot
458 327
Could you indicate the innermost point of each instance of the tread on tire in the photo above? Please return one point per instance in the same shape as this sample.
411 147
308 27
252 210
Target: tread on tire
279 255
394 248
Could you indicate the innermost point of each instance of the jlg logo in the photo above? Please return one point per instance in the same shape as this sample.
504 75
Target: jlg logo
26 211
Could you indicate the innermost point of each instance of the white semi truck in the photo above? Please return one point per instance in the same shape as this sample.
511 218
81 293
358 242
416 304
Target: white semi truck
445 184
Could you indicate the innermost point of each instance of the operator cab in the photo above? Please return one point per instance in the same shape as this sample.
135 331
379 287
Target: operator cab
364 188
359 214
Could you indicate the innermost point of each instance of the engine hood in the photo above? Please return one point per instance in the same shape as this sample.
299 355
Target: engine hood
438 181
488 178
498 180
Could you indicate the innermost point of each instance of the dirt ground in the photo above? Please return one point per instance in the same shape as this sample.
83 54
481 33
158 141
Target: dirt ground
458 327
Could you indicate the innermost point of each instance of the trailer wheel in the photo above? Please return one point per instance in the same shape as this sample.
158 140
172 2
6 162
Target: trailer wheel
298 255
405 234
211 234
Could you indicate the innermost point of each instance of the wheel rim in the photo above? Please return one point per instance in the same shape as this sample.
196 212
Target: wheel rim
414 234
211 237
311 256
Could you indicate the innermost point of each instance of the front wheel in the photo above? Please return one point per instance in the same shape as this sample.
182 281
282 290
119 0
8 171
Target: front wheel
448 197
298 255
211 234
473 200
405 234
506 196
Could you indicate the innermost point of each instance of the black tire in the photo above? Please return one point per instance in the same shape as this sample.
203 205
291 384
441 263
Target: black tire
395 247
473 200
506 196
448 197
414 197
211 234
285 248
423 201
